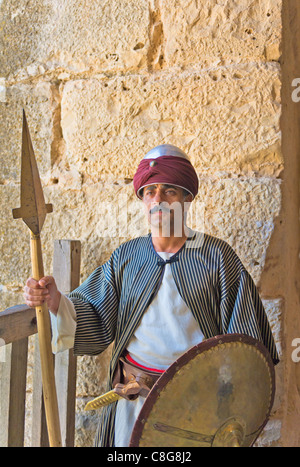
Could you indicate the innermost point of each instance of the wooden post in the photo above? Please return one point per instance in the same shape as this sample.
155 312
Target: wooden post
5 371
13 394
66 271
290 246
17 393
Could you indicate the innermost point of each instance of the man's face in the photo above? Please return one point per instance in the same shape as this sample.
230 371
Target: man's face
165 206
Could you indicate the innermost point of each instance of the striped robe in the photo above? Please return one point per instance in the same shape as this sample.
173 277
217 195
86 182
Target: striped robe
210 278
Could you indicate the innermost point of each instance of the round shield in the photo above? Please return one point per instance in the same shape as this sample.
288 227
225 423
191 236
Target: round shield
219 393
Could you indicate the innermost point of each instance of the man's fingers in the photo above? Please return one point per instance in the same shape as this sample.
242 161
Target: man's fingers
43 282
47 280
34 303
35 297
35 292
32 283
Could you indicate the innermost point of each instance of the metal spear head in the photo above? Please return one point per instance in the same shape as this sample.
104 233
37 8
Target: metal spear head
33 208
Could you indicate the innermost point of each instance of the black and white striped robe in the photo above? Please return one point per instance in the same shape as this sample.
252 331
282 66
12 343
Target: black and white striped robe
210 279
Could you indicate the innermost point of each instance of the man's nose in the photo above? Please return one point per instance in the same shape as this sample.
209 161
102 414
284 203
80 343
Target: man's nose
158 197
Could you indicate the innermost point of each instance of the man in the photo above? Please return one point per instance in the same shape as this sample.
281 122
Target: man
156 297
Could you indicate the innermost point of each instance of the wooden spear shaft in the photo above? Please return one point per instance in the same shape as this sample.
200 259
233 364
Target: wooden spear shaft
47 362
33 211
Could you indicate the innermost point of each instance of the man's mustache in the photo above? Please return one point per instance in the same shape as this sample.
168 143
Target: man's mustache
160 208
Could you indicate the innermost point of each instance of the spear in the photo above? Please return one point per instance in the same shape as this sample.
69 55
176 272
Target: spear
33 211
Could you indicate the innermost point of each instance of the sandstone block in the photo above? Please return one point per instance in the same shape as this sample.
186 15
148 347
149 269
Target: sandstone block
226 120
14 249
241 212
72 36
36 100
208 33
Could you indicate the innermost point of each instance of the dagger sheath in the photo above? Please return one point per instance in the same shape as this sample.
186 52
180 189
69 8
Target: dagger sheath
101 401
47 363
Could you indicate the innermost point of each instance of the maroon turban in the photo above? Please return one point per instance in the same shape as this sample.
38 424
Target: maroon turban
166 164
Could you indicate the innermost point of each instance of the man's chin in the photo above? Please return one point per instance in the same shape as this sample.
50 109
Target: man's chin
158 229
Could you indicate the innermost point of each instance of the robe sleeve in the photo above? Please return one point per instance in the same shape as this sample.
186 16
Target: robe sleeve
96 304
242 312
63 326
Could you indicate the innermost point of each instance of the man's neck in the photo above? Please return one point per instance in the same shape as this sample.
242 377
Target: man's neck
168 244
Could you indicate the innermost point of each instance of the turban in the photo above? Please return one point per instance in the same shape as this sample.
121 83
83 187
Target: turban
166 164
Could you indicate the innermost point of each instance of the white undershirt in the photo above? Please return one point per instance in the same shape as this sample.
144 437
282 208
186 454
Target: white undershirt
166 331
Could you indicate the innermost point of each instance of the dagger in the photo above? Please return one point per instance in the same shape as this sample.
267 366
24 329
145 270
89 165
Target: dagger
33 211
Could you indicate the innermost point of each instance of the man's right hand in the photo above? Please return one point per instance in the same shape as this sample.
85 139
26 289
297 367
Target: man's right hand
44 290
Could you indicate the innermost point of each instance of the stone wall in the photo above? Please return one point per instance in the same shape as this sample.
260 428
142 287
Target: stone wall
103 82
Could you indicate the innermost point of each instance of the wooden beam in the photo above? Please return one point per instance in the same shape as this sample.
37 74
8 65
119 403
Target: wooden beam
17 322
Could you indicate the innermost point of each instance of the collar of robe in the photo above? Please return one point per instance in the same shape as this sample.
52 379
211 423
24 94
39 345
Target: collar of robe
161 262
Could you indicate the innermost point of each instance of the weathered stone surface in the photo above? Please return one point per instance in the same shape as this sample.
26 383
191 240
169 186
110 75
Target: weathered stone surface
37 102
108 125
209 33
270 436
242 212
14 249
72 37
